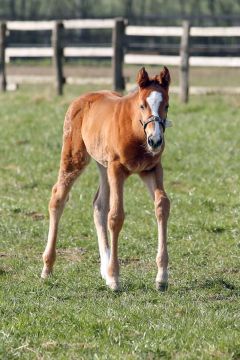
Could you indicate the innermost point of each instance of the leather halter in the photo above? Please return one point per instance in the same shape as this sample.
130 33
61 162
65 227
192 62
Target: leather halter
153 118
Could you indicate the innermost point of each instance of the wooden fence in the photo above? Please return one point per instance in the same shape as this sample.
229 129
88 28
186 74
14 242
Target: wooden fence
119 49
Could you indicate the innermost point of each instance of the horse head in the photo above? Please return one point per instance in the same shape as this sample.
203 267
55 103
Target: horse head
153 104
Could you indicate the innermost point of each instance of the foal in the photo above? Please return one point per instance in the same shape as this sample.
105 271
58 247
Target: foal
125 135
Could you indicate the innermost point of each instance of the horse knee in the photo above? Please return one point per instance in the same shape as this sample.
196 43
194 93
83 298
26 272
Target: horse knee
97 211
58 197
96 199
162 207
115 220
97 206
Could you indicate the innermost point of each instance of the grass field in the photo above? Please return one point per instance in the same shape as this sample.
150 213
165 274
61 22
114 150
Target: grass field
73 315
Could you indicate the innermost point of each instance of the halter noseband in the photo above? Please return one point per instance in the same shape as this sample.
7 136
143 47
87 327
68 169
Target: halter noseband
153 118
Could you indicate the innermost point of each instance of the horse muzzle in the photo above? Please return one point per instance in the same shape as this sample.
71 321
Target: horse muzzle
154 144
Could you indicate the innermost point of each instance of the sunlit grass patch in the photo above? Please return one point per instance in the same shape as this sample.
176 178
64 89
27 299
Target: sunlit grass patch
73 314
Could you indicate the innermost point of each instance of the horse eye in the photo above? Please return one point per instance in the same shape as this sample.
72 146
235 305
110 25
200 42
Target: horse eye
142 106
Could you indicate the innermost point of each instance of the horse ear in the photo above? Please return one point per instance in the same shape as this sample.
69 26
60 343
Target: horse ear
142 78
165 78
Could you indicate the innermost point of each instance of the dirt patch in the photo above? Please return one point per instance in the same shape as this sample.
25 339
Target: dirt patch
35 215
130 261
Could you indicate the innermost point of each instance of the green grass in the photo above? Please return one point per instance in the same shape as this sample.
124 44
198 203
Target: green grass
85 68
73 315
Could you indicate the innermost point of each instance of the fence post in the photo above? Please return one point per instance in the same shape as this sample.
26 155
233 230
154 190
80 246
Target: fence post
3 82
184 62
57 45
118 40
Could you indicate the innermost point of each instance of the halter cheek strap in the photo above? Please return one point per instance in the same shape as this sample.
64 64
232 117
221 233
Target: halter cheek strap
153 119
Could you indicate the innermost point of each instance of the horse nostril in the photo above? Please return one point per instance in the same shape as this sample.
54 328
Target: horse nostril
159 142
150 141
154 144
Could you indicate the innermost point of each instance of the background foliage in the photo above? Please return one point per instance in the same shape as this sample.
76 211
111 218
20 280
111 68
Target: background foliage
170 12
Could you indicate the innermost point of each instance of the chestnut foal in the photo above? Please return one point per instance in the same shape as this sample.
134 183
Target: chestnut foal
125 135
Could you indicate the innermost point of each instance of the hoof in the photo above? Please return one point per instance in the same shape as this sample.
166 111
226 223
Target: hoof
114 285
46 273
103 274
161 286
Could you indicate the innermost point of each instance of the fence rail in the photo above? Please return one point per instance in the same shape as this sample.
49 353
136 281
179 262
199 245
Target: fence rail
68 24
121 37
130 30
133 59
47 52
178 31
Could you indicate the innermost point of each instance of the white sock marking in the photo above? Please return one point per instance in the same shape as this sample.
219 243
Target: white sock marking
105 255
162 276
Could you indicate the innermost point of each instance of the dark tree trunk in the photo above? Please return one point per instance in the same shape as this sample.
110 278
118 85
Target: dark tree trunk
12 5
128 9
34 10
23 9
182 8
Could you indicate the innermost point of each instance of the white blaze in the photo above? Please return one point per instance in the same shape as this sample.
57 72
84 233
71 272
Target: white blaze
154 100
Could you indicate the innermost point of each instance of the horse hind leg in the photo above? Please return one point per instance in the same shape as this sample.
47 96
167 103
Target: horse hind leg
100 211
73 162
57 203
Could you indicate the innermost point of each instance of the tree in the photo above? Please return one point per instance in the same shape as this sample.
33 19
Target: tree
12 8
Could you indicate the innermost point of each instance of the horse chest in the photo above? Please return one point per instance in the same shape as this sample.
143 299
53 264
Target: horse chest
141 162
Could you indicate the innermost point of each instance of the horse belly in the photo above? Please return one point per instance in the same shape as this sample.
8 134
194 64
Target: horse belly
97 131
96 145
99 154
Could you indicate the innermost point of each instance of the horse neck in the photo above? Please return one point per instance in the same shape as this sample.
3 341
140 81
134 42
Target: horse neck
132 106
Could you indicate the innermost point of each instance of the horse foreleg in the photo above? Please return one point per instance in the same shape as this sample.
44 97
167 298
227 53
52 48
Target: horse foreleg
101 208
162 208
154 182
116 177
